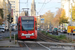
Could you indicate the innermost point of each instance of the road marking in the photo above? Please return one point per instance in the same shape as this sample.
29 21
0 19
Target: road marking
44 46
27 46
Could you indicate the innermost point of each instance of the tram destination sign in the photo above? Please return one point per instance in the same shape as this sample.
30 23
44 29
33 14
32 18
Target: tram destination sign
27 18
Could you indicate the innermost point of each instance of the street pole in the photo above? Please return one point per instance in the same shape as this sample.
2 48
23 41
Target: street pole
19 7
10 32
26 12
9 23
4 12
4 8
71 14
71 21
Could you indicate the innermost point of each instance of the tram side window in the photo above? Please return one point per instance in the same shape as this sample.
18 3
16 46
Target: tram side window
19 26
35 25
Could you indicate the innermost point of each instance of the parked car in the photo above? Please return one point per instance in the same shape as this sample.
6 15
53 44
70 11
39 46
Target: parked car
41 29
55 31
59 30
64 31
2 29
49 31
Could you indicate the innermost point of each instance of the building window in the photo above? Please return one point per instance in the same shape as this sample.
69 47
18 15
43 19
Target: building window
12 1
14 11
13 6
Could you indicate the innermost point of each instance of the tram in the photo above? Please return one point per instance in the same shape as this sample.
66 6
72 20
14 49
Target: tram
27 27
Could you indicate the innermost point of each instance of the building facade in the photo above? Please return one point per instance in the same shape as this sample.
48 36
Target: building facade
6 7
15 7
66 5
33 8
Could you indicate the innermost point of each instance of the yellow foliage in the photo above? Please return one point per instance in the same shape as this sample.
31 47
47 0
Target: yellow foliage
63 13
73 13
63 18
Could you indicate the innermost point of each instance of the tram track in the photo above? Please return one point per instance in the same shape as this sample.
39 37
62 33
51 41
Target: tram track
33 46
24 45
37 45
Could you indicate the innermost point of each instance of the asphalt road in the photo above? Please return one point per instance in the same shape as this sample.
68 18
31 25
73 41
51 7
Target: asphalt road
36 48
7 34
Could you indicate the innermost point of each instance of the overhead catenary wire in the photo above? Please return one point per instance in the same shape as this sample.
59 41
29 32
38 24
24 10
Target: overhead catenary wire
27 3
44 3
21 3
42 6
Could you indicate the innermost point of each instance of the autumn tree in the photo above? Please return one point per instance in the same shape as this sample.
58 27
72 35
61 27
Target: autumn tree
63 18
1 10
48 17
1 20
60 18
56 18
73 13
1 13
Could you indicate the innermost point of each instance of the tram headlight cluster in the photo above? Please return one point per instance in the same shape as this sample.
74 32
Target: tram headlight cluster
32 34
22 34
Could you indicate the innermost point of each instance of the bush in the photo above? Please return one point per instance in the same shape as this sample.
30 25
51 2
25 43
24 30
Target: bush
43 32
61 37
16 36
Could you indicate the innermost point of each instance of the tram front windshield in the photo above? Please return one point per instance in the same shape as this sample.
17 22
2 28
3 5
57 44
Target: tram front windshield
27 24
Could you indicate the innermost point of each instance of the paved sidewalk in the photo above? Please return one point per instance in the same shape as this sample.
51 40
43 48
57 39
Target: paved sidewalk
7 43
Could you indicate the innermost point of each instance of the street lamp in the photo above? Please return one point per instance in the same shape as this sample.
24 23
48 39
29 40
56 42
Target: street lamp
71 14
71 11
71 17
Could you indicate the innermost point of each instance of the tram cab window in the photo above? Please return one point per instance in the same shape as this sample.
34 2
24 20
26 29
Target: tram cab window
35 25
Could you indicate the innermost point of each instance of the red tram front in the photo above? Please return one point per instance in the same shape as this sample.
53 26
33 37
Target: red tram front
27 27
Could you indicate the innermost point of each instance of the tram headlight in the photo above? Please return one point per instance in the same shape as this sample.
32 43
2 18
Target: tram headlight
32 34
22 34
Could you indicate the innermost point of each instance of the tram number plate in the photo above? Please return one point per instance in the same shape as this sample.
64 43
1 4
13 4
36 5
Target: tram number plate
27 36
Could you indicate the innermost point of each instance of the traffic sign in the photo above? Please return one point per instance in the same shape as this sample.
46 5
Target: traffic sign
42 20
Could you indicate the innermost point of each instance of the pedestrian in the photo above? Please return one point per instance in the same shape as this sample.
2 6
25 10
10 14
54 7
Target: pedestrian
71 30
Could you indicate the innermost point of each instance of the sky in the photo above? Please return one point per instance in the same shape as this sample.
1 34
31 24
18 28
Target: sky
41 8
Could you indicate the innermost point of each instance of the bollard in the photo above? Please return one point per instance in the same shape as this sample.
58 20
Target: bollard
14 37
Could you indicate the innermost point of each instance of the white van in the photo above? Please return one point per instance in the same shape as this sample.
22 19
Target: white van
2 29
